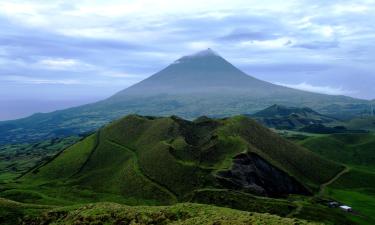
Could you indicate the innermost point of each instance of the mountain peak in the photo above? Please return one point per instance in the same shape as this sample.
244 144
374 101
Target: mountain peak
201 54
204 71
206 52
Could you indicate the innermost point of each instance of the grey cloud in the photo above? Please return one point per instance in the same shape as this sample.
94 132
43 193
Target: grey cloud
240 35
318 45
170 35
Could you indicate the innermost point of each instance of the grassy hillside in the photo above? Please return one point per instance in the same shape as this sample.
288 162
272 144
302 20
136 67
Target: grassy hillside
351 149
283 117
356 187
363 122
141 160
11 212
17 159
164 159
112 213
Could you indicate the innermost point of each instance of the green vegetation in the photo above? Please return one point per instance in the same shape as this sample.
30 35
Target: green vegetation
112 213
291 118
17 159
194 86
11 212
141 160
365 122
356 187
352 149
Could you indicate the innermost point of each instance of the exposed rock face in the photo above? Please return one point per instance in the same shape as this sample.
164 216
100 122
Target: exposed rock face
251 173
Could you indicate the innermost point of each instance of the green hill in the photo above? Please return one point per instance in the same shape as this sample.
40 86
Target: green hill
17 159
165 159
112 213
356 187
194 85
284 117
139 160
362 122
351 149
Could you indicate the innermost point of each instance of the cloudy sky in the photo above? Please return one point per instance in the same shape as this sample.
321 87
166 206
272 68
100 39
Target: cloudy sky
56 54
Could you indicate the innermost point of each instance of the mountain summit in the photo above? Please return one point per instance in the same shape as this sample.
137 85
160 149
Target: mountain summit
203 83
202 72
203 53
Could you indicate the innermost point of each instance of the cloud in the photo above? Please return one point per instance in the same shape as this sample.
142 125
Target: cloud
117 42
318 45
318 89
58 63
248 35
63 64
28 80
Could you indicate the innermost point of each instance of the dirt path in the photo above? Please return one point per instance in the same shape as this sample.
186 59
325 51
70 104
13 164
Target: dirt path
297 210
320 193
323 186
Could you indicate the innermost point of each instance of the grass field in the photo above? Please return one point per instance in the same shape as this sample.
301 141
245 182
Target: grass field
357 187
17 159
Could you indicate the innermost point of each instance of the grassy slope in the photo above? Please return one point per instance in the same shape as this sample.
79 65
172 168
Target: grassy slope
11 211
112 213
352 149
364 122
298 161
357 187
138 160
17 159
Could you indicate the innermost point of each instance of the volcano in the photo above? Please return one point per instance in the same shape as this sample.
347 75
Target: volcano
203 83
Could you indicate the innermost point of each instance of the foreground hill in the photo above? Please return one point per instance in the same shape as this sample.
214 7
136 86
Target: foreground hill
284 117
111 213
195 85
138 160
168 159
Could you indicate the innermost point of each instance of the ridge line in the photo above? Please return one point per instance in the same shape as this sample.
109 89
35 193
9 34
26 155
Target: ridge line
153 181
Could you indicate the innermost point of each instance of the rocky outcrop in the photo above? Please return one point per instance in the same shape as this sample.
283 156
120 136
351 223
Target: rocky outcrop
253 174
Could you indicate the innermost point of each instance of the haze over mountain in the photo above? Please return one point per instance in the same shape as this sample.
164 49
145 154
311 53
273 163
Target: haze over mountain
202 72
200 84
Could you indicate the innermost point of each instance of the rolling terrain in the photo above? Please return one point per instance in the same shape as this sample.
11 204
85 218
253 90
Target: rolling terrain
200 84
112 213
139 160
283 117
356 187
17 159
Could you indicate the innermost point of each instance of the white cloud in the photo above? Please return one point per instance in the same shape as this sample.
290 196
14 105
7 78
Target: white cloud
350 8
200 45
267 44
114 74
139 37
63 64
318 89
29 80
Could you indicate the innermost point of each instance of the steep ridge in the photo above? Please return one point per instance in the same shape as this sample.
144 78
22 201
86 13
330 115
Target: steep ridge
200 84
161 160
